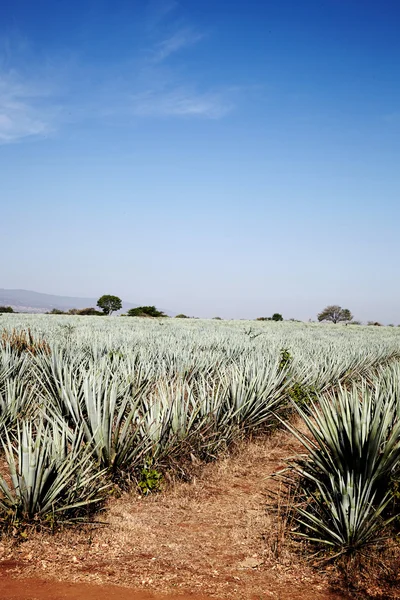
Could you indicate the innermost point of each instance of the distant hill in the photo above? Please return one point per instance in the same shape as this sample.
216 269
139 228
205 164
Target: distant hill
35 302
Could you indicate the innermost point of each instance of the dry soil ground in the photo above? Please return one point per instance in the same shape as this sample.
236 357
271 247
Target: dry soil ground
212 538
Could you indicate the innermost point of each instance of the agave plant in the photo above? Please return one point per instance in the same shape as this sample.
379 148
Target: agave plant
110 423
256 391
12 365
104 405
169 415
344 512
353 449
50 476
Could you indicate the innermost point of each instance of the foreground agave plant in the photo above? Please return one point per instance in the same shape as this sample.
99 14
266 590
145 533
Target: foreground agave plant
49 475
344 513
354 448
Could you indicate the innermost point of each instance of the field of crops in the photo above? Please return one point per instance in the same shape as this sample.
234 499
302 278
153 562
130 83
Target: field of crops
90 402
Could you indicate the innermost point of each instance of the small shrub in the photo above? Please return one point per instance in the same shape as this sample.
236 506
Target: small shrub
286 359
302 394
115 354
6 309
145 311
150 480
275 317
90 311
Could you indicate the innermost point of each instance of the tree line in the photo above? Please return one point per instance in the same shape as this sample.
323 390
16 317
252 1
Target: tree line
109 304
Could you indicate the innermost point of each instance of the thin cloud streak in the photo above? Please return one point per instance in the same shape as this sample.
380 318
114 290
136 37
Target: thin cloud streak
181 39
180 103
22 113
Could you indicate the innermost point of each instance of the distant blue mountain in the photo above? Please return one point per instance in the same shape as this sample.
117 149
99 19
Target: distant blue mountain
35 302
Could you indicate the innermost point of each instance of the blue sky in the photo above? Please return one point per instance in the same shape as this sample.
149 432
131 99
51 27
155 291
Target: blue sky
210 157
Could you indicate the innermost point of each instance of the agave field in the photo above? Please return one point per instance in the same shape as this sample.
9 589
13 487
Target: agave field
87 403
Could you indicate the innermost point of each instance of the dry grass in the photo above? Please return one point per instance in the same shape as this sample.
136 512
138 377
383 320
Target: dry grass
373 574
24 341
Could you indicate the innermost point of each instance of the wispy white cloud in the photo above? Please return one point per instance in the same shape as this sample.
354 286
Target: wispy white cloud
178 41
22 110
180 102
38 99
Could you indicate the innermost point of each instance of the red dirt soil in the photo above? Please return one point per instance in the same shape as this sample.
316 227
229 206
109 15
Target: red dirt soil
35 589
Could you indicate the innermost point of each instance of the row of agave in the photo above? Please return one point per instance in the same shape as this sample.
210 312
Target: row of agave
76 416
71 424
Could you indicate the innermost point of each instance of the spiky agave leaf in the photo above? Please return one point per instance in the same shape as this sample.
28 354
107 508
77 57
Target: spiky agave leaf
12 365
110 423
98 402
16 401
256 391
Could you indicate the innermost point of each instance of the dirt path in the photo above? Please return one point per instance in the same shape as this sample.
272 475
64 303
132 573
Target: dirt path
212 538
35 589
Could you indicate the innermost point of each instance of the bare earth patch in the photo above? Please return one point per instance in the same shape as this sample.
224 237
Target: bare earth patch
211 538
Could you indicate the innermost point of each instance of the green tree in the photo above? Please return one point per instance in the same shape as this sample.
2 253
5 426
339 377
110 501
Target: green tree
277 317
6 309
181 316
109 304
335 314
145 311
